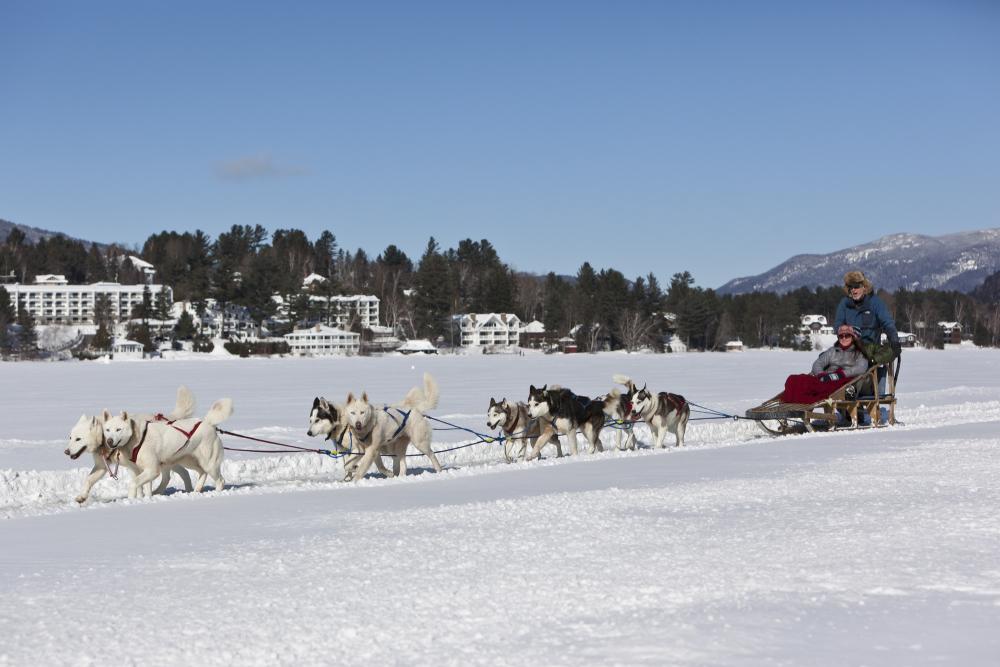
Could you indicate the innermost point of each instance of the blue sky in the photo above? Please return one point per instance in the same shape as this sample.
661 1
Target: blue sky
714 137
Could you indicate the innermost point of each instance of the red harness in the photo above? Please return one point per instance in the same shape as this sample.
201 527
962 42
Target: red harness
161 418
170 422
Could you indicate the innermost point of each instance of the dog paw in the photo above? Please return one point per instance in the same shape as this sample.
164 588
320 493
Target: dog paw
81 499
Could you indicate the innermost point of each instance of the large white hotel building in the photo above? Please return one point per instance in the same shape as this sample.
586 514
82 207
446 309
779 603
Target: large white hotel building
52 300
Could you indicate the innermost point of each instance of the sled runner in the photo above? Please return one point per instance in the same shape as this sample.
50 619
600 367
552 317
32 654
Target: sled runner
857 404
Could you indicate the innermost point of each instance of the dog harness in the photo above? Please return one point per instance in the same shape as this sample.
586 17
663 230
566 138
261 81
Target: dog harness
135 452
402 424
160 418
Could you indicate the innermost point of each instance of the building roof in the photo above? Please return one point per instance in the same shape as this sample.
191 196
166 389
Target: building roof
416 345
51 279
533 327
313 278
323 329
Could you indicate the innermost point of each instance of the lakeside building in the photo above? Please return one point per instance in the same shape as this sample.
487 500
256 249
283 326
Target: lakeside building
488 329
52 300
346 311
321 340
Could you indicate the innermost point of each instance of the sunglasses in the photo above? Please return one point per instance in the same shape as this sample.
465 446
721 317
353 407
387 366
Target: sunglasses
855 285
842 336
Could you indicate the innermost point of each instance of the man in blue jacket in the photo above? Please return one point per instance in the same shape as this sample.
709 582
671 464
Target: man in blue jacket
865 311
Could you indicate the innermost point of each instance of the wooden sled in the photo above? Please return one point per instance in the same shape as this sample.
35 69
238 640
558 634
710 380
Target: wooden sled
839 411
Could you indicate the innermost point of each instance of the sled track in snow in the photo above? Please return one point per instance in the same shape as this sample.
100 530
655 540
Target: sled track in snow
34 492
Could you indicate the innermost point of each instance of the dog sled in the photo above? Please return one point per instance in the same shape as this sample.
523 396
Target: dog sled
856 405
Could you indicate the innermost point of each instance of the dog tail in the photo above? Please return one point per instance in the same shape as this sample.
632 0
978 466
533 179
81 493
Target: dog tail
184 407
610 403
623 380
424 399
221 410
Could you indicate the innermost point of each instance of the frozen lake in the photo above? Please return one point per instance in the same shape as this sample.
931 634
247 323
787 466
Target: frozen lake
874 547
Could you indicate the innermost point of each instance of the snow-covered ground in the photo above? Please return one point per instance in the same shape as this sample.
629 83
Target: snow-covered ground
865 548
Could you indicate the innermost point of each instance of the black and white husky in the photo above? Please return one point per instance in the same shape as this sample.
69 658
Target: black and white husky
560 411
519 429
663 412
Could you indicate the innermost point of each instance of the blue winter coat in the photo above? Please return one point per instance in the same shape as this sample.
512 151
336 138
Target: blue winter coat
870 317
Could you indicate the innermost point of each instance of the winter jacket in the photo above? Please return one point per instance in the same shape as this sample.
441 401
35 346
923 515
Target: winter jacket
852 360
870 317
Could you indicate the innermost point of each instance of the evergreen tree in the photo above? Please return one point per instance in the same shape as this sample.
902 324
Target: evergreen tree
7 317
432 304
161 307
140 334
185 328
557 309
96 270
102 338
27 336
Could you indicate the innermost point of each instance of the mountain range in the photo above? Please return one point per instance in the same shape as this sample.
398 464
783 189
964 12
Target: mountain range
959 262
34 234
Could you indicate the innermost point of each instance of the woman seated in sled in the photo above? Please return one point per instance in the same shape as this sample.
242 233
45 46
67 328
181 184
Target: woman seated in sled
845 359
833 369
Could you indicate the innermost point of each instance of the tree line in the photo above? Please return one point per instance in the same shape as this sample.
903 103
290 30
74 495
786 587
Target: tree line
600 308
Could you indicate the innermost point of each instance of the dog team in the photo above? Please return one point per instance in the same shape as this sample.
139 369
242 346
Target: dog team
152 446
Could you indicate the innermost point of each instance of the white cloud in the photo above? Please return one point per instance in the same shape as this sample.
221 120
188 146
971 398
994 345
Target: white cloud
255 167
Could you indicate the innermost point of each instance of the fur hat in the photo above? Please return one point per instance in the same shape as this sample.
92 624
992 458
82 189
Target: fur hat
855 278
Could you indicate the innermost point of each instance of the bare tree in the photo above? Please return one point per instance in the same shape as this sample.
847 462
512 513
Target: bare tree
531 295
633 329
959 311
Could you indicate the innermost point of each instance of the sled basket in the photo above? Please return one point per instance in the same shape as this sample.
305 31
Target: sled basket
856 405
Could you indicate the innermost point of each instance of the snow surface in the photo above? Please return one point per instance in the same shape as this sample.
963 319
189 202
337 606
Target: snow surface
864 548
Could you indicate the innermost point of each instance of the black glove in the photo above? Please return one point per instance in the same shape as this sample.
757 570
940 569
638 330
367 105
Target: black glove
896 348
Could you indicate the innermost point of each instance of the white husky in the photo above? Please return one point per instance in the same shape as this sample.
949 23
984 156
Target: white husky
87 435
192 443
392 428
329 419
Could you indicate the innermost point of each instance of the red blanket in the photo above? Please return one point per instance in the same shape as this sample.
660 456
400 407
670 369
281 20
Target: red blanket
807 388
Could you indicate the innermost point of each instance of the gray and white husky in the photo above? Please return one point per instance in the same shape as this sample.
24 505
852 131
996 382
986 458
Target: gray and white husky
663 412
518 428
618 408
87 435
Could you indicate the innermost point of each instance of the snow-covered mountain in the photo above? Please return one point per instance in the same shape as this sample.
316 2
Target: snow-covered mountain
34 234
952 262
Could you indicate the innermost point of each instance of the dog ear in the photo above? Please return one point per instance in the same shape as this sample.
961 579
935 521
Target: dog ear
316 402
531 390
364 397
124 416
323 403
503 402
493 401
350 397
105 416
544 387
94 421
